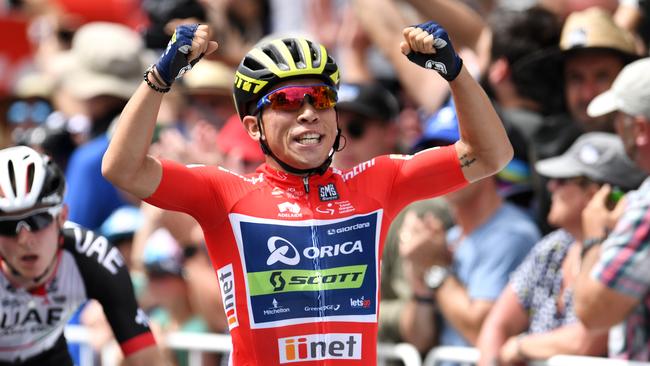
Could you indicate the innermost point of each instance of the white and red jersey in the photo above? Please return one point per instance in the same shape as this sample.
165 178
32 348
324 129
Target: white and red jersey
87 267
298 258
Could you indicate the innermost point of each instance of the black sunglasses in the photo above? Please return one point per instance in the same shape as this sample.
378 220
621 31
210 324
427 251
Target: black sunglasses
355 128
32 223
579 181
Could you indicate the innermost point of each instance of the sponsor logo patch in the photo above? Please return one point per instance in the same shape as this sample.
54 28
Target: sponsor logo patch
291 280
227 286
311 267
289 209
311 347
328 192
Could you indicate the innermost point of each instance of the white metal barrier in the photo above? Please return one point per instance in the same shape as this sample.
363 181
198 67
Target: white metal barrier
462 355
562 360
198 343
470 356
405 352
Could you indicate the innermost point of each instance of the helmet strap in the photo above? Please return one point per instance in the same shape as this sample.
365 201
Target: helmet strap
320 170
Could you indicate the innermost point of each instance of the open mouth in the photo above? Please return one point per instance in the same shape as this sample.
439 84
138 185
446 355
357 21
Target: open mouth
310 138
30 258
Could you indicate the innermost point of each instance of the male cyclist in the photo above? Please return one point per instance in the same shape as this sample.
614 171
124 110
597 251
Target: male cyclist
297 244
48 268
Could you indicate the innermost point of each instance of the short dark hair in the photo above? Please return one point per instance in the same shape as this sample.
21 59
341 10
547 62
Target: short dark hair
523 37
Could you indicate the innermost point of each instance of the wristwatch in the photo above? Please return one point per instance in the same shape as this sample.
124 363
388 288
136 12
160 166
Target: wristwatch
435 276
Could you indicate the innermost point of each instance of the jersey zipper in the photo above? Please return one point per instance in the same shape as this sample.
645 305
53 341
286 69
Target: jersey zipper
305 182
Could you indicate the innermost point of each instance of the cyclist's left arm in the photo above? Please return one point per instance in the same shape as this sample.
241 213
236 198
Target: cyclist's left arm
484 148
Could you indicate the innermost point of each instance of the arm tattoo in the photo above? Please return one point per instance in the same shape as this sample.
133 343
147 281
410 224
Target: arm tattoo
466 161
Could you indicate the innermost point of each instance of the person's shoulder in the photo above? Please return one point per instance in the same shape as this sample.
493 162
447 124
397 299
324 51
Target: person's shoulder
90 249
74 235
513 224
515 215
556 241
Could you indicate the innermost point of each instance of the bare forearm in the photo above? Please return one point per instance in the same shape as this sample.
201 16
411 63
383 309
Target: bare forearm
462 22
571 339
506 319
489 343
355 65
588 308
481 130
417 325
127 153
382 21
464 314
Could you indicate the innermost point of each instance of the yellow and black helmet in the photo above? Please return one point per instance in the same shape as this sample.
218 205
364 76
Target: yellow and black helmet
272 62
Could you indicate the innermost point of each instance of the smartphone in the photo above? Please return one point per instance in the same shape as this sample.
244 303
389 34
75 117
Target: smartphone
614 196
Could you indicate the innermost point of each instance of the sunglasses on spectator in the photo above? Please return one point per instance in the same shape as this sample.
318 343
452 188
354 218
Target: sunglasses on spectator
21 111
579 181
291 98
11 226
356 128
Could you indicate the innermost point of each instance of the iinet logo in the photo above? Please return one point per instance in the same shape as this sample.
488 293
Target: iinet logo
320 347
227 287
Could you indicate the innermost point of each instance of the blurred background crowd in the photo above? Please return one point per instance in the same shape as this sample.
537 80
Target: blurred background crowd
512 242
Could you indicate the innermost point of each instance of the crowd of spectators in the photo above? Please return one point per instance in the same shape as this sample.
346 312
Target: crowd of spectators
550 256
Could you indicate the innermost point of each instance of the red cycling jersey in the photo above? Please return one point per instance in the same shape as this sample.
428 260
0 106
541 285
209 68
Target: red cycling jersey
297 258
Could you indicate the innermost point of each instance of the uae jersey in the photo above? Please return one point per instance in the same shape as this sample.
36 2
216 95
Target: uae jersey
297 258
87 267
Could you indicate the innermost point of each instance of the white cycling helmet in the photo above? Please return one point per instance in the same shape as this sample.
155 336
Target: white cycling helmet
28 181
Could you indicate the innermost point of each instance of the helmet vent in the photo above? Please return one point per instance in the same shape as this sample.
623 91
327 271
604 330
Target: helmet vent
253 64
294 50
30 176
315 54
275 55
12 175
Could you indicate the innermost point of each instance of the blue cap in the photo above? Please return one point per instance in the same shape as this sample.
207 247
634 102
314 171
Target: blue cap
162 254
122 224
440 129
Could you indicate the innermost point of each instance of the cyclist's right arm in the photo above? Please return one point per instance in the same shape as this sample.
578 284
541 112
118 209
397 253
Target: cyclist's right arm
126 163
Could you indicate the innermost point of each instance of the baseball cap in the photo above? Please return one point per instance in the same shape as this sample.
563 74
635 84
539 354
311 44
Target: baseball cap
162 254
594 28
122 224
441 128
599 156
630 92
369 100
105 59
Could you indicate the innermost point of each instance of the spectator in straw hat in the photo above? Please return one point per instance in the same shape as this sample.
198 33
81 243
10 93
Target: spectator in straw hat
613 289
209 85
102 69
592 51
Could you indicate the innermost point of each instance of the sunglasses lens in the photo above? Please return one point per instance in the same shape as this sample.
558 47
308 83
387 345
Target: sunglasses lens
8 228
323 97
34 223
291 98
356 129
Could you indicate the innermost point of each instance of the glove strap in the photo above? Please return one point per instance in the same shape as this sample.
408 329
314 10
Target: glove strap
152 85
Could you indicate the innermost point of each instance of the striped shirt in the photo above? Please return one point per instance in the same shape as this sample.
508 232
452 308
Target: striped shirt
624 266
